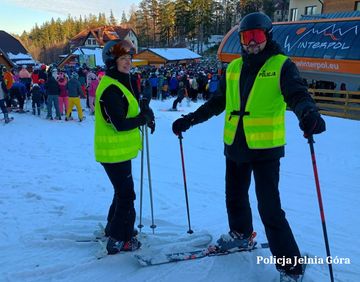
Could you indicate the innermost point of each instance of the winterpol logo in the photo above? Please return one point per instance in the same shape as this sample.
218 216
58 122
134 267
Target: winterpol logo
265 73
330 37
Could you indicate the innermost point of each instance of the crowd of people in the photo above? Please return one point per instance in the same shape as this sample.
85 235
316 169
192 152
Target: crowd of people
45 88
57 90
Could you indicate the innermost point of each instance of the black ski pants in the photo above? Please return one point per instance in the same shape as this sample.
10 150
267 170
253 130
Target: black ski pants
3 106
266 174
177 101
121 216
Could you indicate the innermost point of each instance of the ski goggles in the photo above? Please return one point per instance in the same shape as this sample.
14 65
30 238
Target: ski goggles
256 35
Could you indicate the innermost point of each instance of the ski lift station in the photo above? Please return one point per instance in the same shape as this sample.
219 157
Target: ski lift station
323 49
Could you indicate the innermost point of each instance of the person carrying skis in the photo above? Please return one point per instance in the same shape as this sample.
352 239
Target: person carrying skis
254 92
117 141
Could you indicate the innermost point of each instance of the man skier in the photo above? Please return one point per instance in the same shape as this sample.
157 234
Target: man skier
254 92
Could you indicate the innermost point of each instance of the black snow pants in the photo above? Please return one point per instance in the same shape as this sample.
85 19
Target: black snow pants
266 174
121 216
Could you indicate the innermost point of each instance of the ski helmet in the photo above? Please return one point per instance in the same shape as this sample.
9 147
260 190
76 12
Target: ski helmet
256 20
116 48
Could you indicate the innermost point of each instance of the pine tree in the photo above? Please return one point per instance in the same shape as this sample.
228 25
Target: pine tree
166 22
269 8
123 18
250 6
183 21
143 23
201 11
112 20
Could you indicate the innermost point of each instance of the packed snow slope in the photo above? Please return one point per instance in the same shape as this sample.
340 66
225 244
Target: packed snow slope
53 192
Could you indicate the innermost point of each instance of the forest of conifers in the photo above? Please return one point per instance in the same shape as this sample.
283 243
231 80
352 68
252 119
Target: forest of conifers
157 23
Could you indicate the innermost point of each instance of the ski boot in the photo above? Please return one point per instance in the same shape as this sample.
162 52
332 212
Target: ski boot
286 277
236 241
6 118
113 246
106 231
291 277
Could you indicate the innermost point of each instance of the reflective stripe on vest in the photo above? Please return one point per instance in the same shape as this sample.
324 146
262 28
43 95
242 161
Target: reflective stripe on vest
112 146
264 117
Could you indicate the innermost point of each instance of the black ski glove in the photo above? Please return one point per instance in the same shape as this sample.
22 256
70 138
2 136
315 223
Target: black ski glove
151 125
312 123
146 111
148 115
182 124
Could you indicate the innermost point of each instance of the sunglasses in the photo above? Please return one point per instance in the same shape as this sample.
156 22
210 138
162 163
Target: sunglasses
256 35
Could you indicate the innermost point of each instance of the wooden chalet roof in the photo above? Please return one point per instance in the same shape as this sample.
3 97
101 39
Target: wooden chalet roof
101 34
165 55
8 44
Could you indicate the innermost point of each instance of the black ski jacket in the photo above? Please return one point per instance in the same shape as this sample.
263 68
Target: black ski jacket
114 105
293 89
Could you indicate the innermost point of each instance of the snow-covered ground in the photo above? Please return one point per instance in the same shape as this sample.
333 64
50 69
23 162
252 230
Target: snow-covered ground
53 191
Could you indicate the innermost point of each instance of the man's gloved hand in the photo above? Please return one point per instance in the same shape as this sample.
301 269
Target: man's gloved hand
148 114
151 125
146 111
182 124
312 123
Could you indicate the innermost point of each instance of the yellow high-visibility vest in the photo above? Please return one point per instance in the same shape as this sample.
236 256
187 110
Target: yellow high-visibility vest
112 146
264 115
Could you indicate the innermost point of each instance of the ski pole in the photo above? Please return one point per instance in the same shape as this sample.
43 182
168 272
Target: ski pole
153 226
321 207
140 225
185 187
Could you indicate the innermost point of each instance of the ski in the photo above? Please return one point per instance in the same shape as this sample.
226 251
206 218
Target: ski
98 235
162 241
210 251
91 239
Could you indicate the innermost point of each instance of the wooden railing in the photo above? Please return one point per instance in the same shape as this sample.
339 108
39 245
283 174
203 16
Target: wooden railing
345 104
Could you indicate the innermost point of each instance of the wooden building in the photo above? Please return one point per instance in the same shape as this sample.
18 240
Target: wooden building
4 60
12 52
97 37
163 56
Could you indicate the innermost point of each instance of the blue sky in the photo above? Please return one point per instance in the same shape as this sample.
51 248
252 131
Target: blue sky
20 15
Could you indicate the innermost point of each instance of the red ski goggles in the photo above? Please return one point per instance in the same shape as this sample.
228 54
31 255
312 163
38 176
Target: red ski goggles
256 35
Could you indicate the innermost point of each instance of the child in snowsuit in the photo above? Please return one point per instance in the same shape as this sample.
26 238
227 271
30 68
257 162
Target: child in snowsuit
37 98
